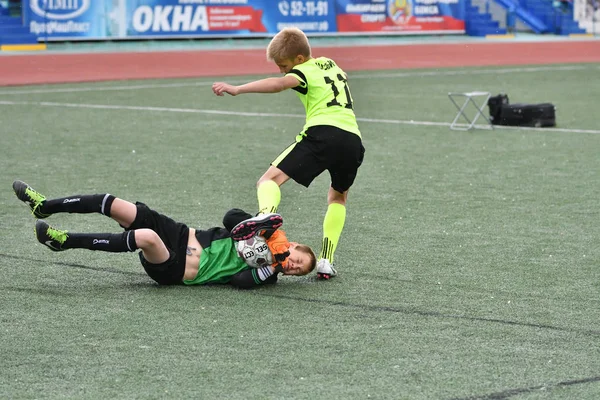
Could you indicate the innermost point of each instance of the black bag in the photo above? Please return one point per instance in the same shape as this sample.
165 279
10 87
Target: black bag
537 115
495 104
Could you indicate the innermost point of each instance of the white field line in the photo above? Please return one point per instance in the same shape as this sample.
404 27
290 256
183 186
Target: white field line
145 108
259 115
374 75
470 72
105 88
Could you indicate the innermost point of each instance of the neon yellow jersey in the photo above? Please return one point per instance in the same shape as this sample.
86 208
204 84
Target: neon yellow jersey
325 93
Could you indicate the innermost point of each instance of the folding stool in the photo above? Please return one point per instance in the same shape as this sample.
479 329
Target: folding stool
469 99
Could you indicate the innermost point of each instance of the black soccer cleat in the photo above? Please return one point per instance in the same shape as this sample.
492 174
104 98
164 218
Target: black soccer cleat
31 197
49 236
263 225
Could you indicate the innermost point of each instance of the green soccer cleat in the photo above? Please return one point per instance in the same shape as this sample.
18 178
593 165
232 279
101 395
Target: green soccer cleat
33 199
50 237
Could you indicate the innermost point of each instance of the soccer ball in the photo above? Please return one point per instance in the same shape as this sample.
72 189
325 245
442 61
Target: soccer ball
255 252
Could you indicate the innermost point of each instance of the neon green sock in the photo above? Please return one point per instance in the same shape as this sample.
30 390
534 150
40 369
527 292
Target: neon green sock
333 224
269 196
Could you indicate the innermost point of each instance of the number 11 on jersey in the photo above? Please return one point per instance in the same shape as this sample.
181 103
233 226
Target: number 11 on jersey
345 102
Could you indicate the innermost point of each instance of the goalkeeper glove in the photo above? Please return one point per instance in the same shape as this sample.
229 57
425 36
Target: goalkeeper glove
280 248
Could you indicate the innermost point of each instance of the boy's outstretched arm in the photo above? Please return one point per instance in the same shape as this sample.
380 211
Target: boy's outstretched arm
268 85
252 277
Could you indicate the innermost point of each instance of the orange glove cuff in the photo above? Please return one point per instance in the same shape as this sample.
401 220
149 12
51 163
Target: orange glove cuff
279 245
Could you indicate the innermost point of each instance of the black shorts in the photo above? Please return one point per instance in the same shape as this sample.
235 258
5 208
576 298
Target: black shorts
175 237
323 147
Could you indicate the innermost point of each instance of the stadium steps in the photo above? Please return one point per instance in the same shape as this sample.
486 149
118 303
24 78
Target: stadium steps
562 21
14 36
480 23
525 15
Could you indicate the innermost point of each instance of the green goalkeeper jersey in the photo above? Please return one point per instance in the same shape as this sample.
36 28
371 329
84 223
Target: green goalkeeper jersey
218 263
325 93
219 259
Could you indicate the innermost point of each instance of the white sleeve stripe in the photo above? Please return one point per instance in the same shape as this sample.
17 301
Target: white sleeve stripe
264 273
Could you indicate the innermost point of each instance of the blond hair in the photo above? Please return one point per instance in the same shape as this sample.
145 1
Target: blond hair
311 254
288 44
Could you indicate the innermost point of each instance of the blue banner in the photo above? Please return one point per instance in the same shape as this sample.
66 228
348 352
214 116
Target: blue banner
65 19
230 18
123 19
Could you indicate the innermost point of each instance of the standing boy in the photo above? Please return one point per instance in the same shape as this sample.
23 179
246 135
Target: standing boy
330 139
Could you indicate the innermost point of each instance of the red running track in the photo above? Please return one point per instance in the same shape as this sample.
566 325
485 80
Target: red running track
87 67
